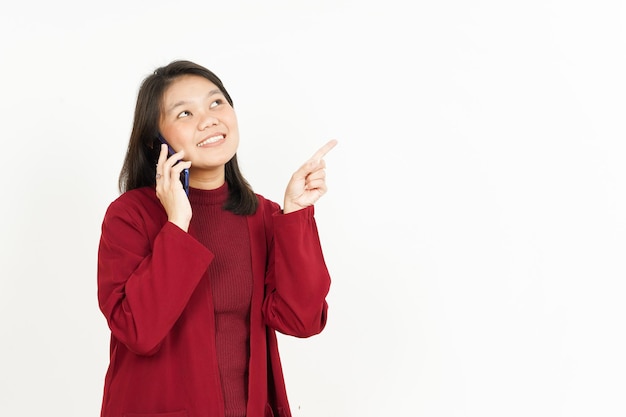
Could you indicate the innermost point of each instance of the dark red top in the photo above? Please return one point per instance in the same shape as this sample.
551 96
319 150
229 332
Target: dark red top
230 275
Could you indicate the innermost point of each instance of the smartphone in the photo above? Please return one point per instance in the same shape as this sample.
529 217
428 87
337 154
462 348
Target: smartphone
184 175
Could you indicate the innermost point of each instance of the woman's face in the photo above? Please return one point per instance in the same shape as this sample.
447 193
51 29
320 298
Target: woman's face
196 118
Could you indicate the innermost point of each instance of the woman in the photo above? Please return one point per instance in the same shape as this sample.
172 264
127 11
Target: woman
194 286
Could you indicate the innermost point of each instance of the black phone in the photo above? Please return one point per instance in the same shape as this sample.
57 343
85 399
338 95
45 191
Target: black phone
184 175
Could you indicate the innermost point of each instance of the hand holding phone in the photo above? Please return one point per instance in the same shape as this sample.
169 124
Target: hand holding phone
184 175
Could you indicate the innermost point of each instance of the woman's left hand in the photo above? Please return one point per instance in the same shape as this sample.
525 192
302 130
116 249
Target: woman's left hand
308 183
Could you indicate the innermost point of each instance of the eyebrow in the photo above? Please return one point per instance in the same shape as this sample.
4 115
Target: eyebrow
183 102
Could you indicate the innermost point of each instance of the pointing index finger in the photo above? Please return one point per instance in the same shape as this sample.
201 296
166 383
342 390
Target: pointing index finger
324 150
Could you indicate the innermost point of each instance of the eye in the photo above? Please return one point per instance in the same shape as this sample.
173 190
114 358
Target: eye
183 114
216 103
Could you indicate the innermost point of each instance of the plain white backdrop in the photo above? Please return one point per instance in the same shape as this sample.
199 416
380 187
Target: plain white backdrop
475 224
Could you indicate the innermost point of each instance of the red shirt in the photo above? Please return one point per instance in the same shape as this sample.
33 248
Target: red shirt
154 288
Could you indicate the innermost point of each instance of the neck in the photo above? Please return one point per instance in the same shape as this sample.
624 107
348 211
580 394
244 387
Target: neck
206 180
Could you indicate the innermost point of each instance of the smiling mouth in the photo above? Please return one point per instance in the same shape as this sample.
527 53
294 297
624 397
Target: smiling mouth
210 140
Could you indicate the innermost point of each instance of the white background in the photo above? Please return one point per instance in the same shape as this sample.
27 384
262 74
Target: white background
475 225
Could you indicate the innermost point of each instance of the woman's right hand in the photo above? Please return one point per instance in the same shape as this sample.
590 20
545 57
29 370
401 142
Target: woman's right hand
169 189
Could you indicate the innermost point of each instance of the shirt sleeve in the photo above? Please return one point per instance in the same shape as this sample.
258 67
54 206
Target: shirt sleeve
297 279
147 272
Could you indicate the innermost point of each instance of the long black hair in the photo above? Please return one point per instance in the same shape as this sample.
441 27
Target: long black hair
139 169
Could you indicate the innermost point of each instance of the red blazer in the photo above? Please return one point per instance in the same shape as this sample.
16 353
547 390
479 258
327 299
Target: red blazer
154 291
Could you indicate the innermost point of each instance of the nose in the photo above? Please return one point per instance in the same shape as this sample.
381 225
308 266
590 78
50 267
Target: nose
208 121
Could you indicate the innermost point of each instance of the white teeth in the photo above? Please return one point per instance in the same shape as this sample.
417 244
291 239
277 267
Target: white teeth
211 140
